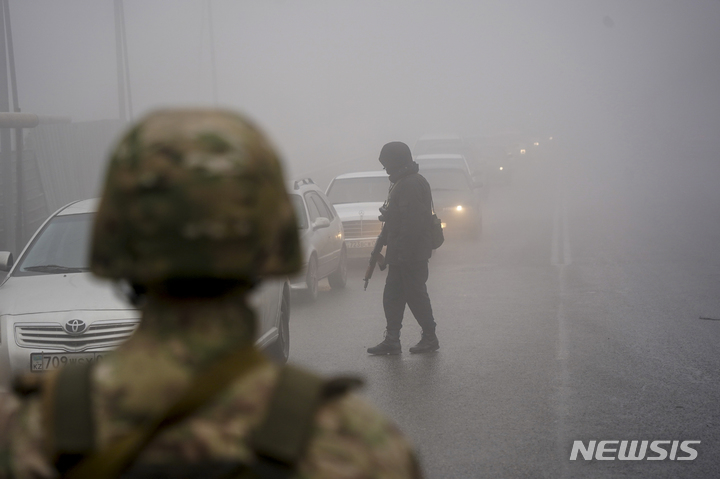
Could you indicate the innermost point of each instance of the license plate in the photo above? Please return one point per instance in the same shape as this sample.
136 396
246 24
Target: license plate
360 244
47 362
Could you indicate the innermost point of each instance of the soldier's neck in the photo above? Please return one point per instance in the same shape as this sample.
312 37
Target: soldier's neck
212 324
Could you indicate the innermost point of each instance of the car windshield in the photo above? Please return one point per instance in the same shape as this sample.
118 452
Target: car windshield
448 179
439 146
359 190
452 162
61 247
299 207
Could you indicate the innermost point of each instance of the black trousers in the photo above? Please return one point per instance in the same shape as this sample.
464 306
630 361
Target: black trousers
405 284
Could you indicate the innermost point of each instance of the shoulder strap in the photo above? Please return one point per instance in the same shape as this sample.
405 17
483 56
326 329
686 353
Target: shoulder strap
281 440
116 457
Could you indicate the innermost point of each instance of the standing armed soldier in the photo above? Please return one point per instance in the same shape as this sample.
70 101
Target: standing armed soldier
407 234
193 213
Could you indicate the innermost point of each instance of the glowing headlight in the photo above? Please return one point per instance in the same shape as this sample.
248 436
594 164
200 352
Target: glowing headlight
442 225
522 152
501 168
454 208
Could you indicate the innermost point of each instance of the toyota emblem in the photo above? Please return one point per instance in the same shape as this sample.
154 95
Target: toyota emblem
75 326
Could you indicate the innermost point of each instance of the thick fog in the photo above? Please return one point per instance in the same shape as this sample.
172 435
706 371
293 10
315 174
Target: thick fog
331 81
584 306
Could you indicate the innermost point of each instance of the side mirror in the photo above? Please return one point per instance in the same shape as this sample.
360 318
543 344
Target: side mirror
6 260
321 223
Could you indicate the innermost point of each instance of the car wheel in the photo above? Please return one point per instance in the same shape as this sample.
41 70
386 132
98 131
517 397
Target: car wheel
311 293
338 279
280 349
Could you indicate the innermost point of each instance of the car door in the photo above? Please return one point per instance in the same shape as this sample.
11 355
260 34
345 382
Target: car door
319 237
325 237
336 232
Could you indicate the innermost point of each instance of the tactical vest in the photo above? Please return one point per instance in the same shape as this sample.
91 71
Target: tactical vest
278 443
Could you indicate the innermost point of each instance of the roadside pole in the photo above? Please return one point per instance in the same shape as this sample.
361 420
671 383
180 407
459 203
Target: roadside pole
7 240
123 69
19 165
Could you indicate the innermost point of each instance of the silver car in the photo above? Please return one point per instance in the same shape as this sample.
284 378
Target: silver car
53 311
456 200
321 237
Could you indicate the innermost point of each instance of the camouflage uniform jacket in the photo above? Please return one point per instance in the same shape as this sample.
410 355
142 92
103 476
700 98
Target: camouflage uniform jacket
148 372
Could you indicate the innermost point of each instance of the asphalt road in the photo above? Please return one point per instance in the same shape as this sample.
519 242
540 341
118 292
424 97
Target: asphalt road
576 316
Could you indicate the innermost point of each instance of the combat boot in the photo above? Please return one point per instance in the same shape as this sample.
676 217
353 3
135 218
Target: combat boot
389 345
427 344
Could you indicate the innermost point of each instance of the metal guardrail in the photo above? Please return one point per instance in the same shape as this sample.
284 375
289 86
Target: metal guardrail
28 120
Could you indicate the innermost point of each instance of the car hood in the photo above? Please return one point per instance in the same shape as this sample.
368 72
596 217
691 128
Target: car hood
352 211
58 292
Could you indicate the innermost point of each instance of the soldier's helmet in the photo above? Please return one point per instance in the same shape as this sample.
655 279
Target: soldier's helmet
191 194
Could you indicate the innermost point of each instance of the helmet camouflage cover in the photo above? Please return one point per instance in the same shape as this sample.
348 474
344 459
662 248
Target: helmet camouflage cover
194 193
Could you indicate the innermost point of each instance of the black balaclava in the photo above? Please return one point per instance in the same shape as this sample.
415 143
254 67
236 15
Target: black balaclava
394 156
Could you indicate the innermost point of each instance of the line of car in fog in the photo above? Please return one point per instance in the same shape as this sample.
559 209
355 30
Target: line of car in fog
53 311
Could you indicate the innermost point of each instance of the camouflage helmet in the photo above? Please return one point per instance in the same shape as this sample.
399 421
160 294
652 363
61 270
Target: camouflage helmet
194 193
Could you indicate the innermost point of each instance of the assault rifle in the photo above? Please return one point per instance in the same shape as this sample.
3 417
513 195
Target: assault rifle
376 258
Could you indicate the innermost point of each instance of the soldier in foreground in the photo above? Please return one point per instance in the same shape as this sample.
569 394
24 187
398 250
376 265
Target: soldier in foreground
193 213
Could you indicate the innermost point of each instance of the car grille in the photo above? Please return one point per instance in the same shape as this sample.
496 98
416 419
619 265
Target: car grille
361 228
52 335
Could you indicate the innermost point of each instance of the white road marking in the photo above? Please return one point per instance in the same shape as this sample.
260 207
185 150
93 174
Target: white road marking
560 236
562 408
561 257
554 244
567 258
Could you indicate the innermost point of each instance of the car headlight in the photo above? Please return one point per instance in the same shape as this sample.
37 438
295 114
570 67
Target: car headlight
454 208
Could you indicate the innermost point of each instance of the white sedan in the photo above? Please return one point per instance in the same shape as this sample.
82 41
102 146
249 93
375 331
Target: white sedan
357 198
53 311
